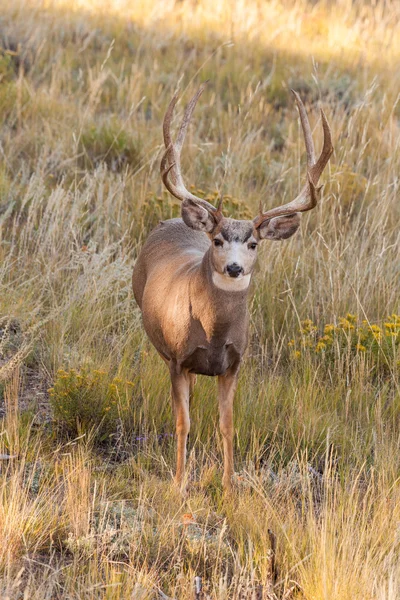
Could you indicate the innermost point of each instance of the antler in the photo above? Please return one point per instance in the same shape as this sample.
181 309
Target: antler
309 195
170 166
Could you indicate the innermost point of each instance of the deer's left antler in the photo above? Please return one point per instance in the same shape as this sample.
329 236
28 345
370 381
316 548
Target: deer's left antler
309 195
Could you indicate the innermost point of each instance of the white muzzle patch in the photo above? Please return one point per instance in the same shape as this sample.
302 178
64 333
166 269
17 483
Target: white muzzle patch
231 284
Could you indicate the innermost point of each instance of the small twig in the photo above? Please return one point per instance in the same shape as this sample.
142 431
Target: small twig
272 541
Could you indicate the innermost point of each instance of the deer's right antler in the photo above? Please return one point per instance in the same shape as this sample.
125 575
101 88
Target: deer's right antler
170 166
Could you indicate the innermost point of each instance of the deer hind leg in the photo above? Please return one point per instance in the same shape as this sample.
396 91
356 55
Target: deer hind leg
226 390
180 398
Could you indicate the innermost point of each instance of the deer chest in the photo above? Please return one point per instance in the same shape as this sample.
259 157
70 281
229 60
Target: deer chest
211 360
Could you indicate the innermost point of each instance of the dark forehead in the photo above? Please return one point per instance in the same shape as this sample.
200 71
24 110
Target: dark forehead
236 231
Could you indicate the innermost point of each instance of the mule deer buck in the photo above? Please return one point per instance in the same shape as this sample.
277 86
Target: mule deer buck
191 281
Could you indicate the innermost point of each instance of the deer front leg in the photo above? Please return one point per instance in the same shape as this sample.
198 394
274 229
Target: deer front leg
192 380
180 398
226 390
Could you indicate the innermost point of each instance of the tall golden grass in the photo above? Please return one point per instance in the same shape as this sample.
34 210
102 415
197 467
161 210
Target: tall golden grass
83 89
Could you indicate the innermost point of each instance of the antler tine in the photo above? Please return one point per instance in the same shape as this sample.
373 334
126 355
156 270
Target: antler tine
170 166
327 149
167 133
167 121
305 124
308 197
187 117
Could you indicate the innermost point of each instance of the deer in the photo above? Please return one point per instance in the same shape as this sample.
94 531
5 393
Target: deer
192 278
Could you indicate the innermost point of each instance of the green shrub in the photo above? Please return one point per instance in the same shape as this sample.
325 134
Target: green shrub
109 143
87 400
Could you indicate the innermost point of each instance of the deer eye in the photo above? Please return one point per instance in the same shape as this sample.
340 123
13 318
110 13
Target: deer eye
252 246
218 242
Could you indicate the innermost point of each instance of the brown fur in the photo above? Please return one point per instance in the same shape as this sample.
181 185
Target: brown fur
191 323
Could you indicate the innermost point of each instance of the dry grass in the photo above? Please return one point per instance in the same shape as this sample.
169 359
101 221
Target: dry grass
83 88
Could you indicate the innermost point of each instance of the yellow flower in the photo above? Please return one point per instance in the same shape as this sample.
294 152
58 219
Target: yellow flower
290 343
329 328
296 354
345 323
326 338
320 347
392 334
360 348
308 327
376 328
377 335
350 317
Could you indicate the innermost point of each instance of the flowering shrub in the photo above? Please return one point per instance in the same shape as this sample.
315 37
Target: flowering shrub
379 343
87 400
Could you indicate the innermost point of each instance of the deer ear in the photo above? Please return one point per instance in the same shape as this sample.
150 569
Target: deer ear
279 228
196 217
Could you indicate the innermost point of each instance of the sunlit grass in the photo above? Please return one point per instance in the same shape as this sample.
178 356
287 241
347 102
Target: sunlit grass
87 505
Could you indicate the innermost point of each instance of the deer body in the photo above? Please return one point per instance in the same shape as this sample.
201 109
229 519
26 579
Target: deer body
192 323
192 277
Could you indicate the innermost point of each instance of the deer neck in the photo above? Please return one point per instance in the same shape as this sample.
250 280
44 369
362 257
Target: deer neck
218 307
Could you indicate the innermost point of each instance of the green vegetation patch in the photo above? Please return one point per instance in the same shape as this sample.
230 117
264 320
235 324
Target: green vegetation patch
89 400
110 143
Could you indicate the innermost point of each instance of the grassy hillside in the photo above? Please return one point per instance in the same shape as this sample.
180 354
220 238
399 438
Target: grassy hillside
87 505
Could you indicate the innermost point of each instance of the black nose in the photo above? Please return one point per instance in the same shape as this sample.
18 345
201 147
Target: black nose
234 270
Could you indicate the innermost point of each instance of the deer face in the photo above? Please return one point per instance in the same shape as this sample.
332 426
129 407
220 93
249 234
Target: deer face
234 248
234 243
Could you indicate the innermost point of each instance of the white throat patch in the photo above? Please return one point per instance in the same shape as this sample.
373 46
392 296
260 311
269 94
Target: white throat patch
231 284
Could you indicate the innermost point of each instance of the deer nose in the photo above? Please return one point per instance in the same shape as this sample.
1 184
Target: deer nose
234 270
